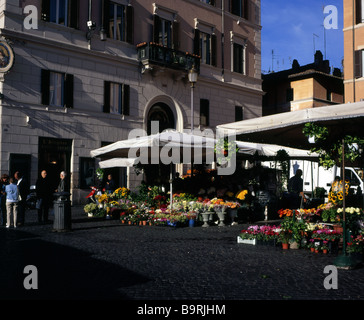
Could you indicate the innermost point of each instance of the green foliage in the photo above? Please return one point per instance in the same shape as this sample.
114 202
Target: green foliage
330 152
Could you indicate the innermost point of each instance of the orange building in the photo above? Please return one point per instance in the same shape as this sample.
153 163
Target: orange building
302 87
354 50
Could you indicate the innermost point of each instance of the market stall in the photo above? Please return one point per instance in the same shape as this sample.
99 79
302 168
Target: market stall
338 128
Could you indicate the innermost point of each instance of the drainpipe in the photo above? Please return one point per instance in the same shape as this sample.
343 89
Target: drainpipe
222 39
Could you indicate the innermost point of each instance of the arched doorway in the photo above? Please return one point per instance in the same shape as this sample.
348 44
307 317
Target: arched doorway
158 174
162 113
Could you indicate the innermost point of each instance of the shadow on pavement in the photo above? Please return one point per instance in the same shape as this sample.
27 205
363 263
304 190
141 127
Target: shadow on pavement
63 272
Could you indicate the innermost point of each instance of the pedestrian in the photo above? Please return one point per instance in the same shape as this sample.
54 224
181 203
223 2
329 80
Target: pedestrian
23 187
63 185
3 183
12 195
44 197
110 184
295 190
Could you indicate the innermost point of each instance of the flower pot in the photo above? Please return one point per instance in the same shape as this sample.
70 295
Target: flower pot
144 223
324 251
191 223
129 222
221 216
205 218
293 245
312 249
285 246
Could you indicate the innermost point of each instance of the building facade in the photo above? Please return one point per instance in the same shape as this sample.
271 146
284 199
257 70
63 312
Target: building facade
85 73
354 50
308 86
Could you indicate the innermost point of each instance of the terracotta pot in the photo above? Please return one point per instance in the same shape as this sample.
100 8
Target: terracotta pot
129 222
324 251
285 246
312 249
144 223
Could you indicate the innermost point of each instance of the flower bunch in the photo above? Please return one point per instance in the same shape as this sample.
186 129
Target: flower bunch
264 233
232 205
121 193
336 195
241 195
287 212
356 244
326 234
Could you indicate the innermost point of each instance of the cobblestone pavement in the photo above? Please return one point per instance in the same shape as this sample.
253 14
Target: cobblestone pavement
103 259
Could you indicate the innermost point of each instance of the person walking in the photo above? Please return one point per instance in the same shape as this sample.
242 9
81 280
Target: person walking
44 197
12 195
3 183
23 188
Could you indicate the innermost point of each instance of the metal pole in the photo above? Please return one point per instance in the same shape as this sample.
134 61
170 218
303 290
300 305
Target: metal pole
192 122
344 215
192 112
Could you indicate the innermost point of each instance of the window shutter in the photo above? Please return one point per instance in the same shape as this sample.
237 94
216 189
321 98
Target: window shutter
358 12
213 50
246 10
129 24
73 12
358 64
45 81
196 42
126 100
106 107
175 30
68 88
156 27
45 10
106 17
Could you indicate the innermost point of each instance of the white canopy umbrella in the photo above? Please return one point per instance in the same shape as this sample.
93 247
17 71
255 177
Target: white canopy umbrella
118 162
167 147
286 128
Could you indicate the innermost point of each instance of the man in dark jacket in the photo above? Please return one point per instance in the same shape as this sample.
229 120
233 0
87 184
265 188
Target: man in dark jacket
44 197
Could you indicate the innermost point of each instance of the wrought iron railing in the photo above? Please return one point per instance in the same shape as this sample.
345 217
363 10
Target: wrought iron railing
155 54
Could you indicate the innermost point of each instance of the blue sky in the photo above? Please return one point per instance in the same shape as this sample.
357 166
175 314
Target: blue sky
293 29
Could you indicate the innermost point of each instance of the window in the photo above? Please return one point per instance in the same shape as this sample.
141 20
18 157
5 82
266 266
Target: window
64 12
211 2
166 32
359 66
87 172
239 113
116 98
119 21
289 95
359 11
204 112
240 8
57 89
205 47
239 58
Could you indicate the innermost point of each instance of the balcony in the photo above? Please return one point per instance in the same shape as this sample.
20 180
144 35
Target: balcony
155 55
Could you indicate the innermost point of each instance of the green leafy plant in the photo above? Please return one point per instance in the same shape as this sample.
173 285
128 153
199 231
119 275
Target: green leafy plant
330 152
